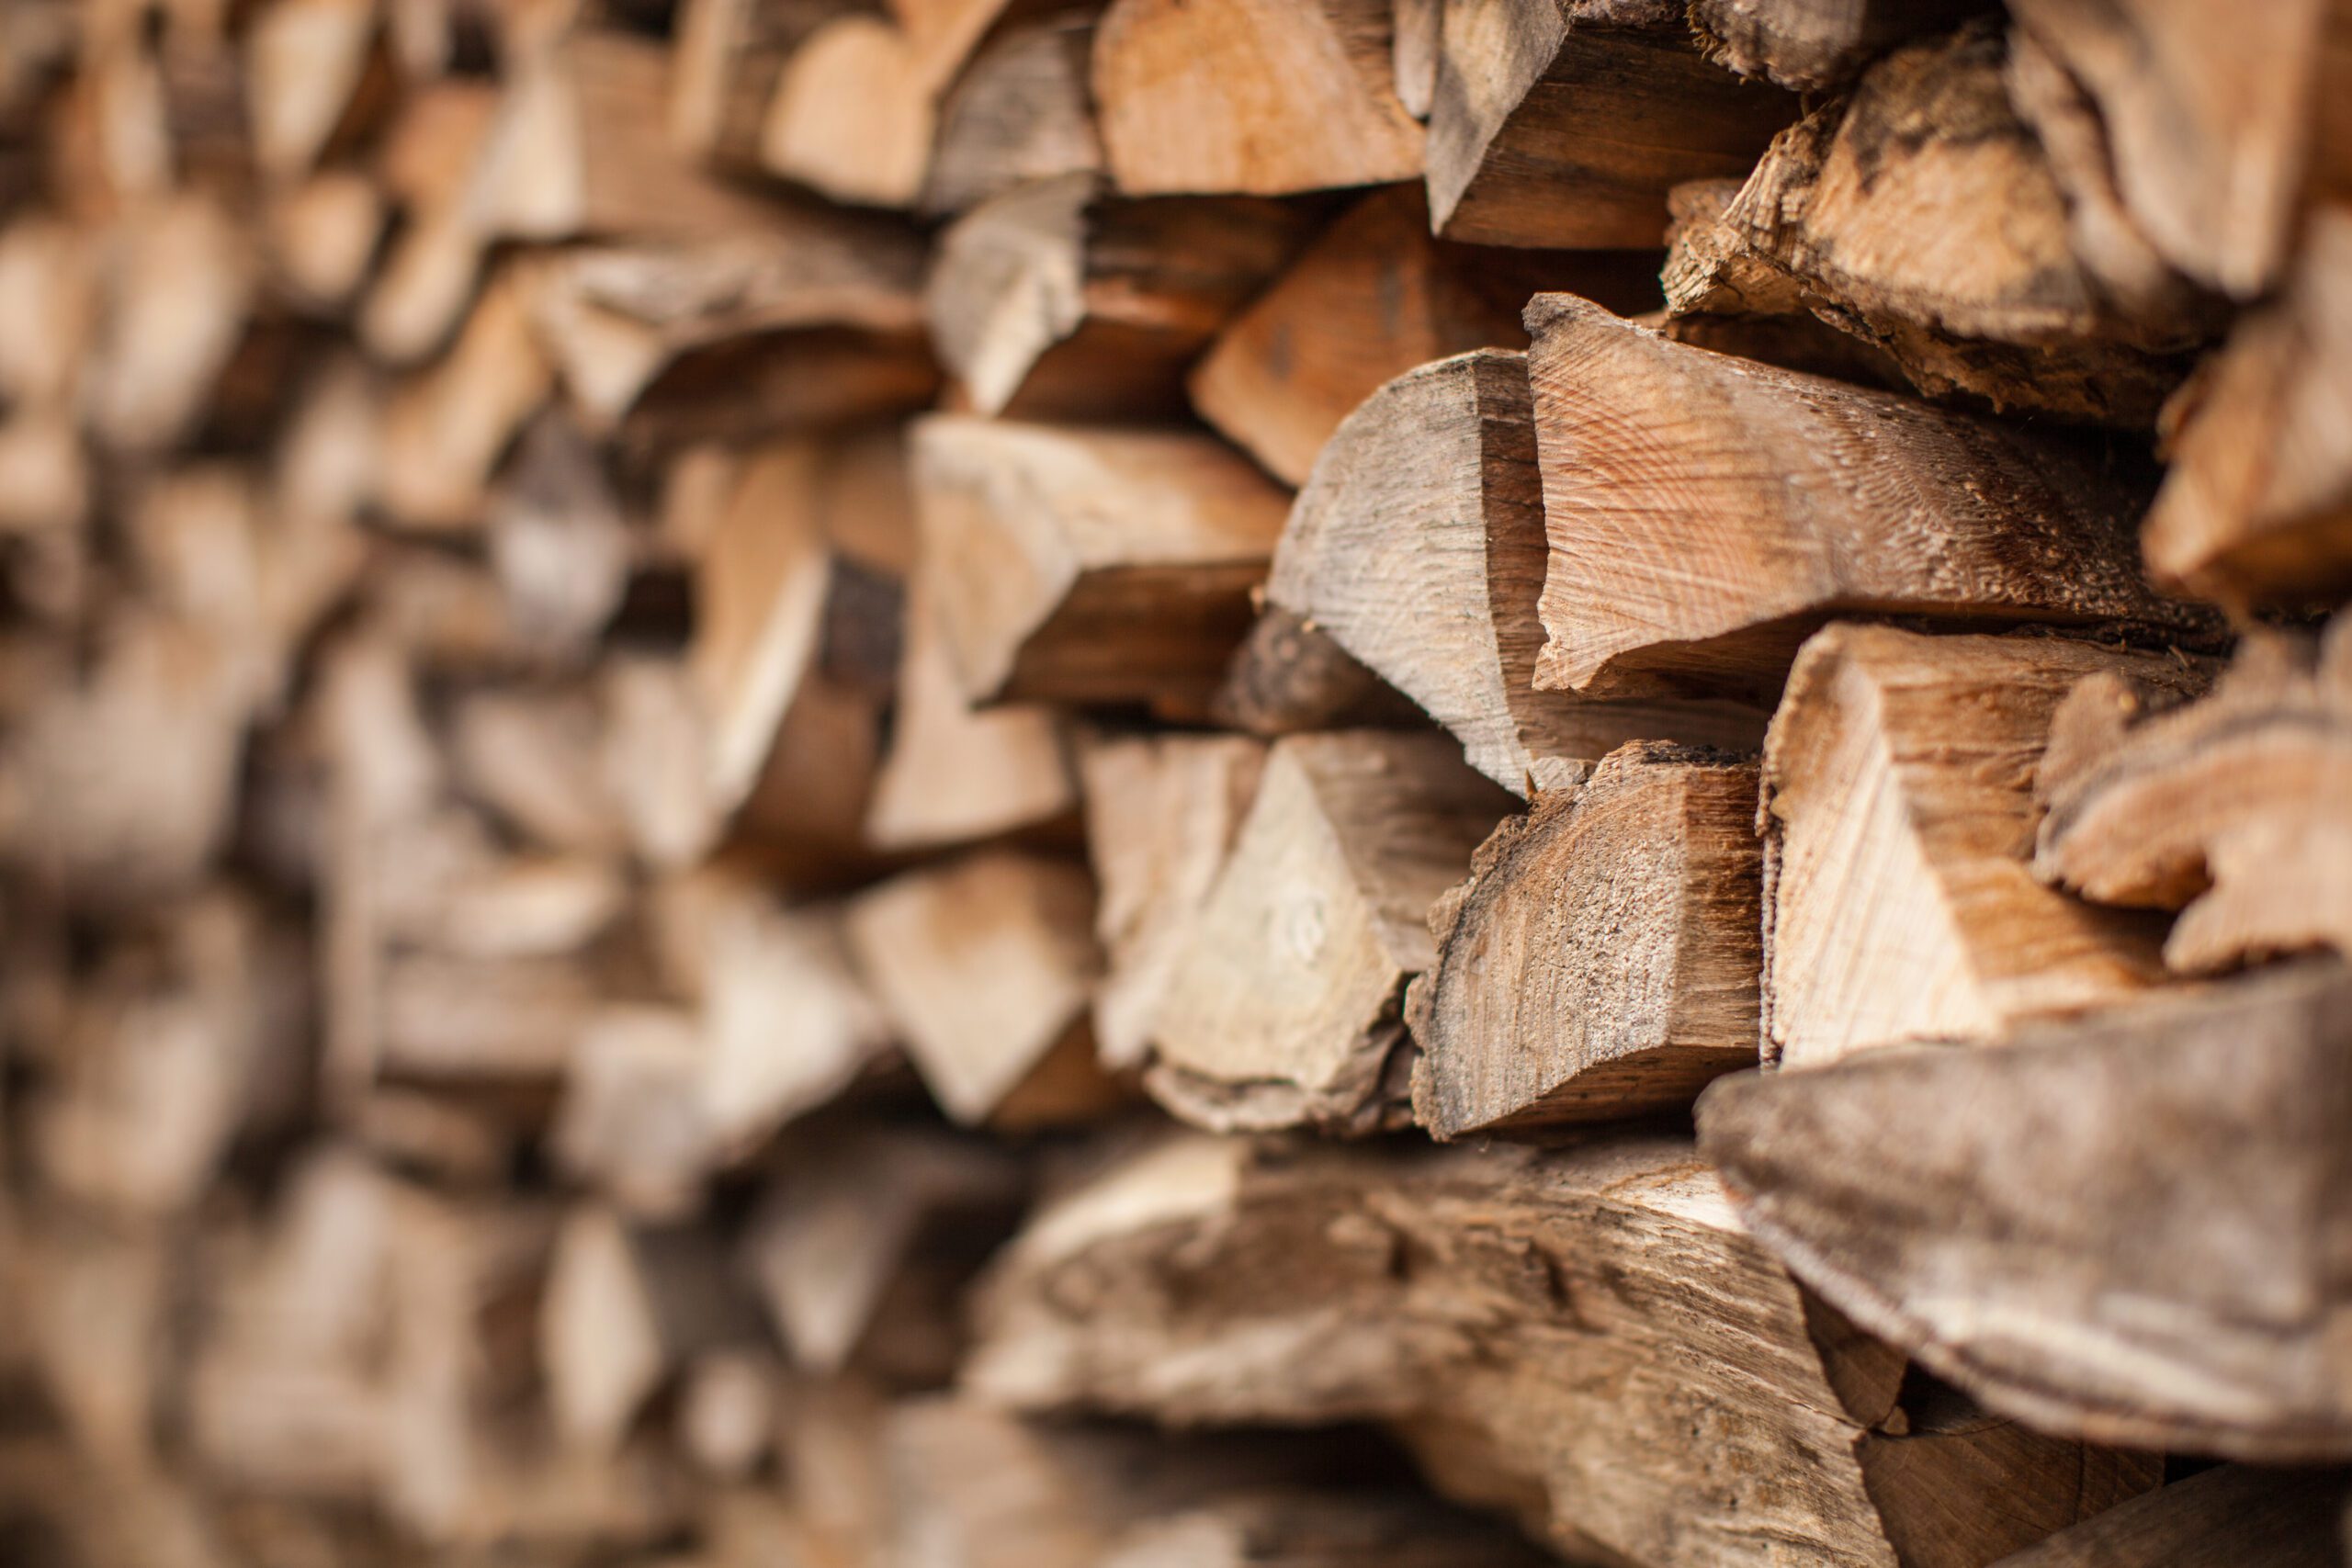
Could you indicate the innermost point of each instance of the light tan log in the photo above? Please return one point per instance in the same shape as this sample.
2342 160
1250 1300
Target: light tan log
1250 96
1089 565
1898 820
2235 809
725 57
852 117
2257 509
1602 959
2099 1226
727 1410
987 967
1055 301
954 774
2216 131
2228 1514
1921 214
1811 45
1417 547
630 1122
1682 556
1371 299
323 236
179 277
1565 122
1162 813
1019 113
446 429
1212 1281
307 69
1286 1007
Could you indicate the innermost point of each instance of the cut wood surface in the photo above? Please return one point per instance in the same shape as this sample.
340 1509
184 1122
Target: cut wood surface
1524 1322
1898 818
1602 960
1250 96
2227 1515
1375 296
1565 123
1162 813
1019 113
2006 1217
1055 301
1810 45
1417 546
1289 675
852 117
1090 565
1920 213
2257 509
1286 1007
1678 561
2236 809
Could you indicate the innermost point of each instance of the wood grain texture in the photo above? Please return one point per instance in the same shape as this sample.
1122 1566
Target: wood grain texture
1602 959
1285 1009
1898 820
1545 1331
1417 547
1020 112
2125 1227
1810 46
1682 556
1565 122
2227 1515
2231 810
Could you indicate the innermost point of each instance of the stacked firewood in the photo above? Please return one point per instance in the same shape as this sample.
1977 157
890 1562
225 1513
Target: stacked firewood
943 782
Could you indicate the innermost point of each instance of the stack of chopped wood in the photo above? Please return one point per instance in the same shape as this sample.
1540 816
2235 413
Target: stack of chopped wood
1175 784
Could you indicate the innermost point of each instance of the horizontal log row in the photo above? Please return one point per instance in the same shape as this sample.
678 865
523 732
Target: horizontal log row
1174 782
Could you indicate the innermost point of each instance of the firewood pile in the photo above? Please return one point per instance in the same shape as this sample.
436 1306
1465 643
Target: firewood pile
1175 784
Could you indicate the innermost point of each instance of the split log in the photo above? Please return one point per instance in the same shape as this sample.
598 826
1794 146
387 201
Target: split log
1090 566
613 317
630 1121
2231 810
323 237
987 966
1162 813
2257 506
1289 676
627 1307
1055 301
955 774
560 544
179 278
2217 132
1249 98
2228 1514
1286 1007
727 1407
444 431
1371 299
1509 1314
314 77
1417 28
1020 114
1565 123
1711 577
531 760
852 117
1898 820
1809 46
2113 1227
1920 213
796 639
725 61
1417 546
1602 960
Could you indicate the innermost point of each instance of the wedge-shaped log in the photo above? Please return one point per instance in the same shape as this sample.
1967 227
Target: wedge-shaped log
1373 296
725 58
1705 513
2236 809
1286 1007
1091 566
1252 96
2257 509
1565 122
1543 1330
852 117
1602 959
2120 1228
2215 127
987 966
1810 45
1289 676
2216 1518
444 429
1898 820
1994 307
1162 812
1417 546
1055 301
1019 113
